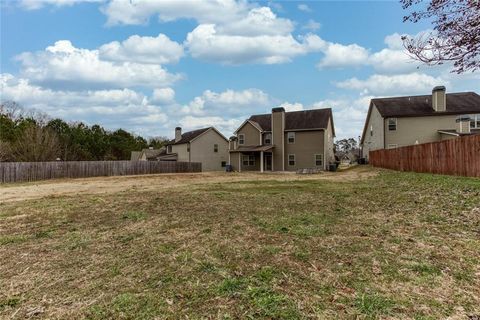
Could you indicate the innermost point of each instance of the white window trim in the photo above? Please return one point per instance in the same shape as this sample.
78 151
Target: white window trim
241 136
392 146
294 160
315 159
288 137
475 121
388 124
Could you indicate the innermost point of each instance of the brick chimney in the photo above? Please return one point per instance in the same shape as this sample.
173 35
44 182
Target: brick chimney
278 138
439 100
463 124
178 134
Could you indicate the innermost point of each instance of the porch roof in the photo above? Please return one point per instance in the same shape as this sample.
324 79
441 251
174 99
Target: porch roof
253 148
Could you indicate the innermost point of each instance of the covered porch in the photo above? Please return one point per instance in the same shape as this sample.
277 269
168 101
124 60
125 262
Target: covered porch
252 158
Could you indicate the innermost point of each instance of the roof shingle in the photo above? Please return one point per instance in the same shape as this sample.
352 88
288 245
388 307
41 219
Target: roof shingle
189 136
297 120
416 106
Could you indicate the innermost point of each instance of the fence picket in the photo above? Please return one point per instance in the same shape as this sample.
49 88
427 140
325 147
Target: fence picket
459 156
33 171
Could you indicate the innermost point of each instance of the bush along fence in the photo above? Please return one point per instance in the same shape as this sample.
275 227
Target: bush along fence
33 171
459 156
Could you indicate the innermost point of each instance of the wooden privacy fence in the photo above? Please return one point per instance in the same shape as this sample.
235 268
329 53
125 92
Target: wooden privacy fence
32 171
459 156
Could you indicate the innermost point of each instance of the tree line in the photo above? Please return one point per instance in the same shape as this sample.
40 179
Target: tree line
27 135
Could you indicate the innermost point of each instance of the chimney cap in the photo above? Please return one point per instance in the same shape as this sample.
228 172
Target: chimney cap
462 118
178 128
439 88
279 109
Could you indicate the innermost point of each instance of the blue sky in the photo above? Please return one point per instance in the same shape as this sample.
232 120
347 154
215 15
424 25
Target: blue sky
149 66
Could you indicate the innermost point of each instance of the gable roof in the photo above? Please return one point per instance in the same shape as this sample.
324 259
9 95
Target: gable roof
253 123
415 106
189 136
421 106
298 120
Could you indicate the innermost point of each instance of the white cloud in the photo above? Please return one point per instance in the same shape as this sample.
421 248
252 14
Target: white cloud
226 126
393 85
205 11
230 102
206 44
303 7
291 106
154 50
111 108
339 55
312 25
64 66
163 95
258 21
38 4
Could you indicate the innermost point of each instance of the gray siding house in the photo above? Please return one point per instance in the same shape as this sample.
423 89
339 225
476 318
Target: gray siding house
206 145
284 141
403 121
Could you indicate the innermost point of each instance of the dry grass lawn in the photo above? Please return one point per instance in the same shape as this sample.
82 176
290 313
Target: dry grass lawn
361 244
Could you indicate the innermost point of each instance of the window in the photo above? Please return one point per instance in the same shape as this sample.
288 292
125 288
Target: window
188 148
169 149
392 124
291 137
318 160
268 138
291 159
224 164
241 139
392 146
248 160
215 147
475 121
371 131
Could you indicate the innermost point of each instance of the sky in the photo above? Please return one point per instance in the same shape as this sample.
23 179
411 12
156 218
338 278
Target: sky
150 66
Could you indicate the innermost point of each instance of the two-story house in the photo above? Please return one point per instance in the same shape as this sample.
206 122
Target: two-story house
403 121
206 145
284 141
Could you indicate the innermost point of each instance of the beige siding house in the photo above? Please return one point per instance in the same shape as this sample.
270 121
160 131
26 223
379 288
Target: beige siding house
206 145
403 121
283 141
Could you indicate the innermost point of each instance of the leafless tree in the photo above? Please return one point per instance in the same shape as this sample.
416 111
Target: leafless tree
36 144
456 36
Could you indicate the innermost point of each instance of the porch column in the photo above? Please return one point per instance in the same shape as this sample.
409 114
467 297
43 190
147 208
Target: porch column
261 161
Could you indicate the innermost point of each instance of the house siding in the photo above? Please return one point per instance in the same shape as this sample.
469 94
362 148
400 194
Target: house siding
252 135
202 150
411 130
307 144
181 151
375 141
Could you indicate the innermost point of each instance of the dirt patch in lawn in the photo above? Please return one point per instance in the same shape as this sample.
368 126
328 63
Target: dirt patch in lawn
106 185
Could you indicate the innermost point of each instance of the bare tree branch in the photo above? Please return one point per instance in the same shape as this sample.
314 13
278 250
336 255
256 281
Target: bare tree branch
457 33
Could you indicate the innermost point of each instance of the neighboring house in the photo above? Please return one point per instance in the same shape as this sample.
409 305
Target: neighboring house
149 154
206 145
403 121
284 141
